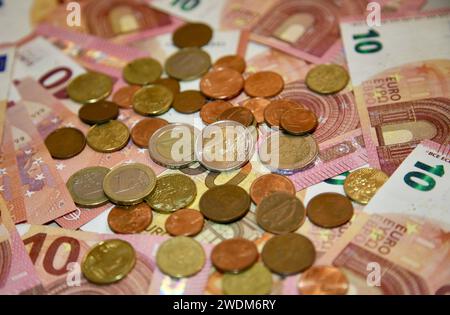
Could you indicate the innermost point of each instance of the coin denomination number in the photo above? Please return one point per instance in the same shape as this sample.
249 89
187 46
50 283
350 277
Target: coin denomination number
422 181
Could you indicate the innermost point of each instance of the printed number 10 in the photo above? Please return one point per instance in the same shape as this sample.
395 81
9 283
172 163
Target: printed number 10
412 177
368 46
186 5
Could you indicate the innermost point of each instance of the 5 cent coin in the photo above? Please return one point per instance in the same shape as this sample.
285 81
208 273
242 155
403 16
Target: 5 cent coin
234 255
144 129
130 220
329 210
64 143
264 84
298 121
185 222
212 110
267 184
222 84
188 102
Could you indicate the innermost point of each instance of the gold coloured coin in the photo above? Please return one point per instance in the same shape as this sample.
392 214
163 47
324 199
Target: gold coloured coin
86 186
109 261
142 71
327 79
152 100
361 185
129 184
256 280
90 87
172 192
188 64
108 137
180 257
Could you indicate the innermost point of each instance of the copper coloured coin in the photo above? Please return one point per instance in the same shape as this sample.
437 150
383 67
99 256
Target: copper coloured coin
288 254
144 129
323 280
64 143
234 62
234 255
192 35
329 210
280 213
264 84
188 102
268 184
212 110
222 84
98 113
185 222
257 105
239 114
225 203
130 220
169 83
298 121
276 108
124 96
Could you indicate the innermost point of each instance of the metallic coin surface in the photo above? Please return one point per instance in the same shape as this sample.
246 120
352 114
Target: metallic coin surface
124 96
142 71
152 100
225 203
109 261
165 149
98 113
288 254
239 114
172 192
256 280
257 105
283 153
172 84
234 62
298 121
224 145
180 256
234 255
130 220
329 210
263 84
108 137
129 184
212 110
323 280
327 79
90 87
192 35
144 129
222 84
188 102
361 185
188 64
64 143
280 213
267 184
185 222
276 108
86 186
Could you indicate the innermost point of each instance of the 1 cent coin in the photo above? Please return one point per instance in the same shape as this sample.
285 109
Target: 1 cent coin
129 184
257 105
266 185
152 100
142 71
239 114
225 203
64 143
86 186
276 108
212 110
234 62
323 280
188 102
280 213
192 35
188 64
130 220
298 121
98 113
361 185
288 254
144 129
109 261
234 255
90 87
172 84
108 137
264 84
222 84
329 210
185 222
124 96
256 280
327 79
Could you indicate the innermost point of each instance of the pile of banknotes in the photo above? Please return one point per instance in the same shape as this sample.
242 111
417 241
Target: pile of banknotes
327 171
